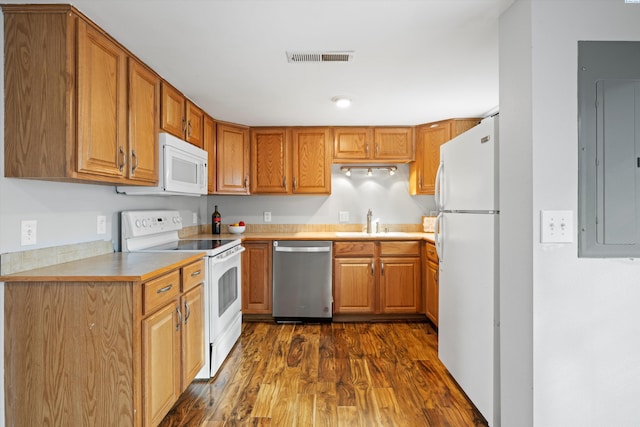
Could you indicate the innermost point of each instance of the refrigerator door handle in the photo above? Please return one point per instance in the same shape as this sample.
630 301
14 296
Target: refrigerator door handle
437 232
438 189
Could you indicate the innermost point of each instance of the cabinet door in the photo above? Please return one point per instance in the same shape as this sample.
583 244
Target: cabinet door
102 104
193 349
160 363
270 161
209 135
430 138
232 162
354 285
394 144
256 278
144 106
172 108
195 125
400 285
351 144
311 160
431 298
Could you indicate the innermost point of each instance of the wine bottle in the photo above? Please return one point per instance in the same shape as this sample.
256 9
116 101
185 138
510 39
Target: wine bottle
216 221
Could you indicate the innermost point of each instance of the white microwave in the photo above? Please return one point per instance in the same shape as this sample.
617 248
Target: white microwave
182 170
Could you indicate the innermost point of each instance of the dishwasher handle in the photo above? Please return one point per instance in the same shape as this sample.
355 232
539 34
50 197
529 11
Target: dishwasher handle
307 249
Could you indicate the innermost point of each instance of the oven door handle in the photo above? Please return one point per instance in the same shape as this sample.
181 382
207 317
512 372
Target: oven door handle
218 259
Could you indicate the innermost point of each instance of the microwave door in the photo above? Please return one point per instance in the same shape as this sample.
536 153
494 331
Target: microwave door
184 173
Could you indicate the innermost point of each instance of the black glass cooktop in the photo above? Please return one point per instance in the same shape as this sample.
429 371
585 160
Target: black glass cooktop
192 245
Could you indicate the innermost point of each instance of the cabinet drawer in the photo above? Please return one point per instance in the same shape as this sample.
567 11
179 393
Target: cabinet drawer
399 248
353 248
192 275
161 290
432 255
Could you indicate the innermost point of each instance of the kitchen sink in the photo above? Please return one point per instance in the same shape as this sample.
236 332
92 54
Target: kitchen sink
363 234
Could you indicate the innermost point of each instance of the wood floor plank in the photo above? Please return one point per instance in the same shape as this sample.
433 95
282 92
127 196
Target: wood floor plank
329 375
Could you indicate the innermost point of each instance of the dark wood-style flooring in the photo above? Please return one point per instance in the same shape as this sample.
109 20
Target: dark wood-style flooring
337 374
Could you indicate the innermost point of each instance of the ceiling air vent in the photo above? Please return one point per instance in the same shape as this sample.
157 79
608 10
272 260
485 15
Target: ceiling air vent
342 56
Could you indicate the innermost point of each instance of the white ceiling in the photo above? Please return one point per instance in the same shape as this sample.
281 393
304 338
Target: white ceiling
415 61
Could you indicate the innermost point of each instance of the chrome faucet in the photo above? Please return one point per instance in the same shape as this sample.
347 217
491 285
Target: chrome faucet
369 225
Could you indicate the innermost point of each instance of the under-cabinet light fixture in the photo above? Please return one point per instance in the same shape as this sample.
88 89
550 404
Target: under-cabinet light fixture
391 170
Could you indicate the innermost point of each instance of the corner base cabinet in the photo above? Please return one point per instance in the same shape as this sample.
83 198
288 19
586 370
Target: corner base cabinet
101 353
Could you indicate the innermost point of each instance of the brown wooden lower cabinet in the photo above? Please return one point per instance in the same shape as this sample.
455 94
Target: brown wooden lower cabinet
377 277
108 353
256 278
431 293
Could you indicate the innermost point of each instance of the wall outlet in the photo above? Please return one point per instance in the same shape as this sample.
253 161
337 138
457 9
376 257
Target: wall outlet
266 216
344 216
28 232
557 226
101 224
195 218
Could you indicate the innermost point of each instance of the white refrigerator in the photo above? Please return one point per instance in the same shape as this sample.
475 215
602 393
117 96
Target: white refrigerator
467 245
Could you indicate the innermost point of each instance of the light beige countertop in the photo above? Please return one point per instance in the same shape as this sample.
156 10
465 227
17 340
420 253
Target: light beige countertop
117 266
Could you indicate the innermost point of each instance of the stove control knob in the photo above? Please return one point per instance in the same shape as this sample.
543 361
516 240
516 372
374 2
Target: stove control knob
138 223
144 223
175 220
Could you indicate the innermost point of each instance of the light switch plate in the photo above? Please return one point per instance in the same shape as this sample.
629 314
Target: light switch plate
344 216
556 226
28 232
101 224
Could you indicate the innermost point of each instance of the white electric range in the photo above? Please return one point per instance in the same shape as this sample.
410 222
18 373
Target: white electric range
158 231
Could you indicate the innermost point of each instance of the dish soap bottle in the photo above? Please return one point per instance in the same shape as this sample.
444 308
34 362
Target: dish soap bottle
216 221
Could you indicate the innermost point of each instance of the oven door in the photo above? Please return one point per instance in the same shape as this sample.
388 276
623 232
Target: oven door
225 301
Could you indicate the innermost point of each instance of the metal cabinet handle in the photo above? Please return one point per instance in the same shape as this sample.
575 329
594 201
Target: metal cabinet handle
372 270
188 310
134 157
189 128
377 149
196 273
284 182
382 268
366 148
246 182
123 160
184 125
295 184
179 318
165 289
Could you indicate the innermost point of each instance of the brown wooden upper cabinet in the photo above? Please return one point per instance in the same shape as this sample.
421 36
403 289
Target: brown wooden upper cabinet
181 117
373 145
429 138
232 159
291 160
209 138
75 128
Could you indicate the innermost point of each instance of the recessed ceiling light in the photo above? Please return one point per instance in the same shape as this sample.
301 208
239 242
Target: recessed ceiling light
341 101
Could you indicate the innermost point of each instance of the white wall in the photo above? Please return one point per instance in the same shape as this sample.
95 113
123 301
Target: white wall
586 321
516 188
387 196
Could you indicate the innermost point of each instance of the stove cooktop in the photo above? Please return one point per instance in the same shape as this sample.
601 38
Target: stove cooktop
192 245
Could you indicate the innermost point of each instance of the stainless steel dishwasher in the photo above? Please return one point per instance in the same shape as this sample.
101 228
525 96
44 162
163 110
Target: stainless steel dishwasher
302 281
